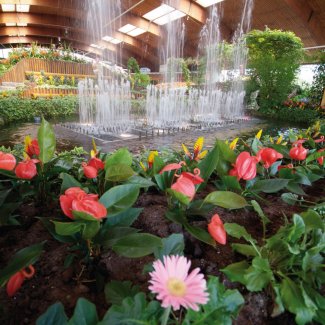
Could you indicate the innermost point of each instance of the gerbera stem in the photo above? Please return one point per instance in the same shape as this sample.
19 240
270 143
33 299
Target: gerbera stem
165 316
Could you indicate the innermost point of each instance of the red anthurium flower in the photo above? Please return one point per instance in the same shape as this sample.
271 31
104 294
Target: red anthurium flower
76 199
16 281
245 166
195 177
298 152
290 166
96 163
321 159
7 161
89 171
173 166
217 230
31 147
185 186
268 156
26 169
300 141
320 140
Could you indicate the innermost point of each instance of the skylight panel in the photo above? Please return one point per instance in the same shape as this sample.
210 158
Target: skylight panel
127 28
10 24
207 3
8 7
158 12
21 24
136 32
22 8
107 38
115 41
176 14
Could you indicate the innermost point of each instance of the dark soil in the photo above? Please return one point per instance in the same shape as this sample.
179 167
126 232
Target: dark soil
52 282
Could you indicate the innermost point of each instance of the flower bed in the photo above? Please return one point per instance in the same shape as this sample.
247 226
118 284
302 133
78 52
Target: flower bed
250 212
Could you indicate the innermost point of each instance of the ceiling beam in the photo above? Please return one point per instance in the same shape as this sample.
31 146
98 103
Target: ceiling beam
309 18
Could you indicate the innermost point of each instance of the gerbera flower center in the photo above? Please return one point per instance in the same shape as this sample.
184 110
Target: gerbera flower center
176 287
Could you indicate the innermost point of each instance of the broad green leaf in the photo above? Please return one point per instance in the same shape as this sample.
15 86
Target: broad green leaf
312 220
137 245
244 249
118 172
231 183
297 229
295 188
164 180
224 199
260 212
208 165
54 315
294 302
124 218
237 231
121 156
23 258
269 185
134 311
227 154
79 215
49 225
158 165
289 198
222 308
140 181
120 197
117 291
46 141
235 271
84 314
67 228
179 196
315 156
172 245
278 303
90 229
68 181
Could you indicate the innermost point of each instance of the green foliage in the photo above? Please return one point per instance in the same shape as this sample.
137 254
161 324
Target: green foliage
133 65
318 86
274 58
14 109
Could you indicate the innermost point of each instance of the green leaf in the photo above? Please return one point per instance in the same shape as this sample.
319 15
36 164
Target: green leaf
124 218
244 249
118 172
121 156
312 220
235 271
3 195
231 183
117 291
237 231
289 198
294 302
133 311
79 215
49 225
269 185
315 156
208 165
140 181
46 141
164 180
137 245
157 165
260 212
54 315
295 188
259 275
67 228
109 235
120 197
84 314
297 229
222 308
90 229
179 196
68 181
23 258
224 199
172 245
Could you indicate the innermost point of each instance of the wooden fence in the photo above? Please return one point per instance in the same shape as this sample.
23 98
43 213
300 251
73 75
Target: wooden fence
17 73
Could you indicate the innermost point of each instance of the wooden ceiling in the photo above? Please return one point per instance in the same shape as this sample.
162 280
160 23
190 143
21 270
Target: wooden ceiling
52 21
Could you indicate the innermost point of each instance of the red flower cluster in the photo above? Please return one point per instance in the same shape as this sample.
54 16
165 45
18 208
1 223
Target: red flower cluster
32 148
298 152
269 156
245 166
217 230
75 199
16 281
91 169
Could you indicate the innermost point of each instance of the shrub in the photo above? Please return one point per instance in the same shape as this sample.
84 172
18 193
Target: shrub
274 58
318 86
14 109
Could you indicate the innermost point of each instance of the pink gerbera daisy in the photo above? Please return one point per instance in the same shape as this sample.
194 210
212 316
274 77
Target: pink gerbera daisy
175 287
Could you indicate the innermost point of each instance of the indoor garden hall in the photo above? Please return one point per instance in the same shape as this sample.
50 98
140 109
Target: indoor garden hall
162 162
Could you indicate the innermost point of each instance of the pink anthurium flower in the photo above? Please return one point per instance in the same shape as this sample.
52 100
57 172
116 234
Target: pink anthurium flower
298 152
7 161
269 156
184 186
321 159
26 169
245 166
16 281
91 168
195 177
217 230
173 166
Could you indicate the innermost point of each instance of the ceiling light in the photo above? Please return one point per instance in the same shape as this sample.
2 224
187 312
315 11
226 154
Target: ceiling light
207 3
8 7
158 12
10 24
22 35
115 41
21 24
176 14
22 8
107 38
126 28
136 32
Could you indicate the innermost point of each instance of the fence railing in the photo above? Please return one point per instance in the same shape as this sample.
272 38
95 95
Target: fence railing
17 73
